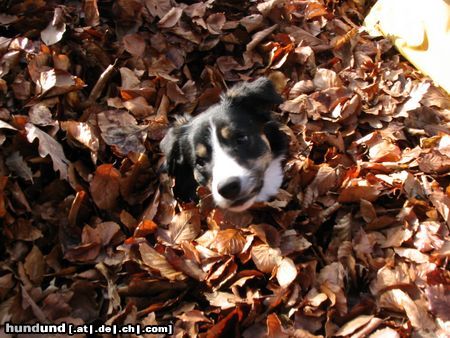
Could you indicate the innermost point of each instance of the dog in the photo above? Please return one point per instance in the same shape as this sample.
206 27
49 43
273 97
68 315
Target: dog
235 148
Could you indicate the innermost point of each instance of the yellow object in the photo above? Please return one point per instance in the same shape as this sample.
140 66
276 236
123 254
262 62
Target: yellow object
421 32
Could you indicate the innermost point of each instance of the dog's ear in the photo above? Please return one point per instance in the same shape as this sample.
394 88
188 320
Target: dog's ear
259 95
278 140
170 146
175 148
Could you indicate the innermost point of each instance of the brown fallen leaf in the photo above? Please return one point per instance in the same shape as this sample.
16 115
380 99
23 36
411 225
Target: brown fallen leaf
353 325
92 15
48 146
267 233
286 272
158 262
227 326
105 186
55 82
184 226
274 327
292 242
260 36
398 300
144 228
228 242
120 130
439 298
24 230
83 133
386 332
265 257
134 44
188 266
215 23
35 266
326 78
139 107
56 305
55 30
17 164
171 18
358 189
41 115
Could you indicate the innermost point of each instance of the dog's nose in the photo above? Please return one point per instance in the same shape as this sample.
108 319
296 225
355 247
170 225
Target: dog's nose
230 188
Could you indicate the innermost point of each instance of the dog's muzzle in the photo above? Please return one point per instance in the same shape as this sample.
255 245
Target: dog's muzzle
237 192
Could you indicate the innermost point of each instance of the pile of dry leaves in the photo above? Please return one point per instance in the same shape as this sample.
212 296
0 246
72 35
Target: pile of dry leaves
356 243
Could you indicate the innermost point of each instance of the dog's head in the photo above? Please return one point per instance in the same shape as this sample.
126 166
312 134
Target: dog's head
234 148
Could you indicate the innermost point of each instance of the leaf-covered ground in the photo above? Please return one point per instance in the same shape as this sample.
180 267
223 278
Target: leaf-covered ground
356 243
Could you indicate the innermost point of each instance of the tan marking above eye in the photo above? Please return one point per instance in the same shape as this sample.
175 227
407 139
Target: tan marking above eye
225 132
201 150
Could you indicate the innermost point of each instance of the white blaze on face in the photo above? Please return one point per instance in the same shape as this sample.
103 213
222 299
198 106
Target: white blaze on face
225 167
273 177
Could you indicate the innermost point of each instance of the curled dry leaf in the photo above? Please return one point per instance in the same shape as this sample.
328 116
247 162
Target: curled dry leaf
367 210
48 146
257 38
158 262
139 107
427 237
144 228
215 22
267 233
56 82
4 125
412 254
83 132
387 277
353 325
265 257
227 325
384 151
55 30
171 18
286 272
398 300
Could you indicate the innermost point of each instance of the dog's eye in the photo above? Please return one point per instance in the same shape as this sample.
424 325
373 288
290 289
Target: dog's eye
241 138
200 161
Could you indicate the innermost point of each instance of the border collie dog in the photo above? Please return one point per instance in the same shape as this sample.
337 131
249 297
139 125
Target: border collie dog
234 148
